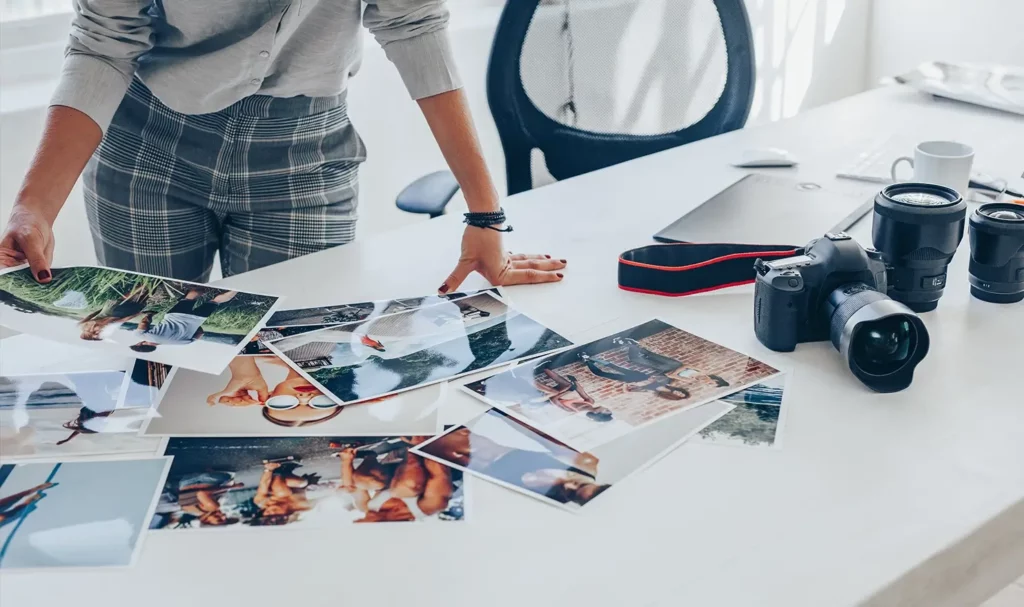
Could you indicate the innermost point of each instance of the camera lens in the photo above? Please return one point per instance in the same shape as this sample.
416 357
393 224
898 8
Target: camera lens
997 253
881 339
918 227
883 346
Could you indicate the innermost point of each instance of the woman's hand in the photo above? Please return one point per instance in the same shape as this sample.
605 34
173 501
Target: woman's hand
28 237
483 252
245 376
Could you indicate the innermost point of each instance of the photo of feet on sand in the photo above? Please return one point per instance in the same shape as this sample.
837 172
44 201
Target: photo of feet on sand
595 393
304 482
168 321
397 352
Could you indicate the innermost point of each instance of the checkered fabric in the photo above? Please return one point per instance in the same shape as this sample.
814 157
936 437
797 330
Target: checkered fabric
264 180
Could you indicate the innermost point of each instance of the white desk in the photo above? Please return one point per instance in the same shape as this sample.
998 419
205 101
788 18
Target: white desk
915 498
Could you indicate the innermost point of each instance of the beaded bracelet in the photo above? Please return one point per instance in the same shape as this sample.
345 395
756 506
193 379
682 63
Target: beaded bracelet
487 220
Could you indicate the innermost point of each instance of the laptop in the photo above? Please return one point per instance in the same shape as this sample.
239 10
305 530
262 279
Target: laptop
765 209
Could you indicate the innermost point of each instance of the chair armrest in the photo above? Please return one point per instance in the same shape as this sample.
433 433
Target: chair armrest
429 194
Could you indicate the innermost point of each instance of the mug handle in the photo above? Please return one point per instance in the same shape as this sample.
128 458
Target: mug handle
896 163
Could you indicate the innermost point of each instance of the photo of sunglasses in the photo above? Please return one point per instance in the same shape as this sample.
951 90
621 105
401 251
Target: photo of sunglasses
287 401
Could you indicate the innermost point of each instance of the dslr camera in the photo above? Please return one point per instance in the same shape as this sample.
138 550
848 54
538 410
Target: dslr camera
836 291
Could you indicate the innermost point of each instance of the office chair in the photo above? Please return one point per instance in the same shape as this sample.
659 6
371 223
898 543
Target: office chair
592 83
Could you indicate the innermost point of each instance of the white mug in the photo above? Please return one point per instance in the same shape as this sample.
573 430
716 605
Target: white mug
945 163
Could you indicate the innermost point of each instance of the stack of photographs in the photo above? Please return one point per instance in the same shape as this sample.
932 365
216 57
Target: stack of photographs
286 323
424 345
566 427
324 416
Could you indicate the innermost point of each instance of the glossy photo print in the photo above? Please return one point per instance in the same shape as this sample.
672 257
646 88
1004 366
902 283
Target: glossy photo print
322 482
381 356
508 452
287 323
77 413
263 396
145 380
757 419
135 315
598 392
76 514
340 314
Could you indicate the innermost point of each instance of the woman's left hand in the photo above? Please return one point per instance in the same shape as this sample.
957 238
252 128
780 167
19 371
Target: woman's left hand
483 252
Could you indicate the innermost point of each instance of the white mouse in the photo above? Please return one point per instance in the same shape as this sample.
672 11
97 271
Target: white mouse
765 157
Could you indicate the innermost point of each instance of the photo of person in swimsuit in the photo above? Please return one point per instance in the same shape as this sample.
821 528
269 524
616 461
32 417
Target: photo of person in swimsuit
412 489
547 468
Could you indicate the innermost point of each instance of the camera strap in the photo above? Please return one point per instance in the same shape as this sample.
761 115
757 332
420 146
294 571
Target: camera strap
686 268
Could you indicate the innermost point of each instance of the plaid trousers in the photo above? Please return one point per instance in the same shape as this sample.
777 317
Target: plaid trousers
264 180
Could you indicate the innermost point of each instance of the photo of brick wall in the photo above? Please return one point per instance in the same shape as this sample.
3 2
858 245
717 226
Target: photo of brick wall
595 393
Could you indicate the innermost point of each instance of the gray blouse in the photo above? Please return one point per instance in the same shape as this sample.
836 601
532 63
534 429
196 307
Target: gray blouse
201 56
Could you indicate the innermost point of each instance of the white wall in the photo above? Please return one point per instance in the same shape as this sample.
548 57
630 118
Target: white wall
809 52
906 33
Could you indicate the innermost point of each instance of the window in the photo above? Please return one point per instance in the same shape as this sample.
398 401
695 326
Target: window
12 10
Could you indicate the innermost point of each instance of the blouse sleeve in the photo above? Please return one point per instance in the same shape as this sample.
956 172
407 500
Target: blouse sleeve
414 36
107 39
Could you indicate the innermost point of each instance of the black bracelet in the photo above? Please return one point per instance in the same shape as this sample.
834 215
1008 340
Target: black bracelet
487 220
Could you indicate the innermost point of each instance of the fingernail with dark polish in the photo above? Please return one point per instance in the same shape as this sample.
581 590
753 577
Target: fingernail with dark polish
44 275
563 261
443 289
559 274
547 257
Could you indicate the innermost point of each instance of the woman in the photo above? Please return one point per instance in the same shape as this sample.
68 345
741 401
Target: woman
115 312
556 471
224 128
662 375
280 496
559 396
411 490
293 402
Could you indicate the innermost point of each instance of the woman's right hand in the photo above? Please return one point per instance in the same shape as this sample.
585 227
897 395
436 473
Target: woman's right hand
28 237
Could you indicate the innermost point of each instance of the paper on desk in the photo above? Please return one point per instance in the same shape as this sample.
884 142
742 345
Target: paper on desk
178 323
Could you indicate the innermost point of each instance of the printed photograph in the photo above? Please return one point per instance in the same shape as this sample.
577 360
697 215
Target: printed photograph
79 413
756 420
304 482
167 321
263 396
76 514
341 314
390 354
501 449
598 392
144 383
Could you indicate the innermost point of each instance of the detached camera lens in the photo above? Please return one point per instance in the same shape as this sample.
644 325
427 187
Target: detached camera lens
918 227
997 253
881 339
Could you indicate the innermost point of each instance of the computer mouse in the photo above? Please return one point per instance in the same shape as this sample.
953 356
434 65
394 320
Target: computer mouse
765 158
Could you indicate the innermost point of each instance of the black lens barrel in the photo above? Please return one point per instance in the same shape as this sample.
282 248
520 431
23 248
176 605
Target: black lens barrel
918 227
996 270
854 307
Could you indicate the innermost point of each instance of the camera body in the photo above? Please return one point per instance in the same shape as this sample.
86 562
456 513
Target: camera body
792 295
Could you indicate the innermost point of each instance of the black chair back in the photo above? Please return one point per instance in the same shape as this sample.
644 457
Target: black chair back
574 134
